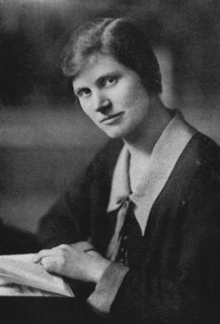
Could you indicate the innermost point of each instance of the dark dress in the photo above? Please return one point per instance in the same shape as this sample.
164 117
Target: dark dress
177 278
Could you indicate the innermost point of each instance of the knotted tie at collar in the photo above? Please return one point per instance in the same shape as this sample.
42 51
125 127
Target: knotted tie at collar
115 242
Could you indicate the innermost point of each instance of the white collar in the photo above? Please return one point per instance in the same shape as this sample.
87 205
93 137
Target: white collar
162 161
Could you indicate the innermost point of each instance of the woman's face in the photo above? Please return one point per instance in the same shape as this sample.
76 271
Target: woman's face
112 96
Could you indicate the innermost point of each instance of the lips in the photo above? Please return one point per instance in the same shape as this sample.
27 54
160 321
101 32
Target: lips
112 118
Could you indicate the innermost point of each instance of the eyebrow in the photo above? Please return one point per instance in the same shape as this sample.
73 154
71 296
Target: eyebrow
104 76
98 81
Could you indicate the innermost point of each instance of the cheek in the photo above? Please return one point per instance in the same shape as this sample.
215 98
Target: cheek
128 95
85 107
90 113
122 98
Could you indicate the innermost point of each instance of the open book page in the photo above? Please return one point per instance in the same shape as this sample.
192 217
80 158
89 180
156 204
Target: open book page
9 288
19 269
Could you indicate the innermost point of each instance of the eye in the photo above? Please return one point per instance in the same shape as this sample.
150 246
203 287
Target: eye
110 80
83 93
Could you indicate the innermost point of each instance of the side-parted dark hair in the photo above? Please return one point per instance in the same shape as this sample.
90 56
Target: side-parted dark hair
119 38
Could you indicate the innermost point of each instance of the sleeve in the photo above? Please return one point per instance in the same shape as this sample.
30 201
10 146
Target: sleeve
107 288
184 290
75 215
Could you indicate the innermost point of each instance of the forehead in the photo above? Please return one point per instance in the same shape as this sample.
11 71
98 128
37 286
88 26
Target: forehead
97 66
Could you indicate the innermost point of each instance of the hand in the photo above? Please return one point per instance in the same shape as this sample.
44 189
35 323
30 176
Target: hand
79 261
86 247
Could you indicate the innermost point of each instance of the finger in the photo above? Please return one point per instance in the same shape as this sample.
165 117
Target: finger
43 253
38 256
54 264
49 263
61 247
83 246
93 252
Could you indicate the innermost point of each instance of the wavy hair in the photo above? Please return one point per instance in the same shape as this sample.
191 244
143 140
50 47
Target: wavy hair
119 38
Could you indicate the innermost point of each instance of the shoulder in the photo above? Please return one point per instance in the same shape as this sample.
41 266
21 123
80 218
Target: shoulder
202 154
99 172
206 145
206 153
203 189
201 193
105 160
197 172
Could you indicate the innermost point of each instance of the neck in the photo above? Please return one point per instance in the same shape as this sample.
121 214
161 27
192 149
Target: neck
141 143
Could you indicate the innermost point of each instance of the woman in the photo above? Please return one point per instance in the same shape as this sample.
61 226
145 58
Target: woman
143 223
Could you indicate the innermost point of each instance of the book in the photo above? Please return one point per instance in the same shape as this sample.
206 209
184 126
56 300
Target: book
19 270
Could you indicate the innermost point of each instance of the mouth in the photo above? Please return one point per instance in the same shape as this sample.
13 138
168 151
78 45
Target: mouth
112 118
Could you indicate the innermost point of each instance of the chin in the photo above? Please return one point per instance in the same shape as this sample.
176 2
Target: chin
114 135
117 132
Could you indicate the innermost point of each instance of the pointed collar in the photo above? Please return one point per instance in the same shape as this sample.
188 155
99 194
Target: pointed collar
120 189
162 161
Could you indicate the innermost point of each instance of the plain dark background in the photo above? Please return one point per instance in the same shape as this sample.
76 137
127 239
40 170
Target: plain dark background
45 140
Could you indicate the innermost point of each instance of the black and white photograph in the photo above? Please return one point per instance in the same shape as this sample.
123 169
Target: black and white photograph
110 161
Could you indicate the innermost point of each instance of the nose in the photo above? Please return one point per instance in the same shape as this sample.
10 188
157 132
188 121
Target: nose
101 102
